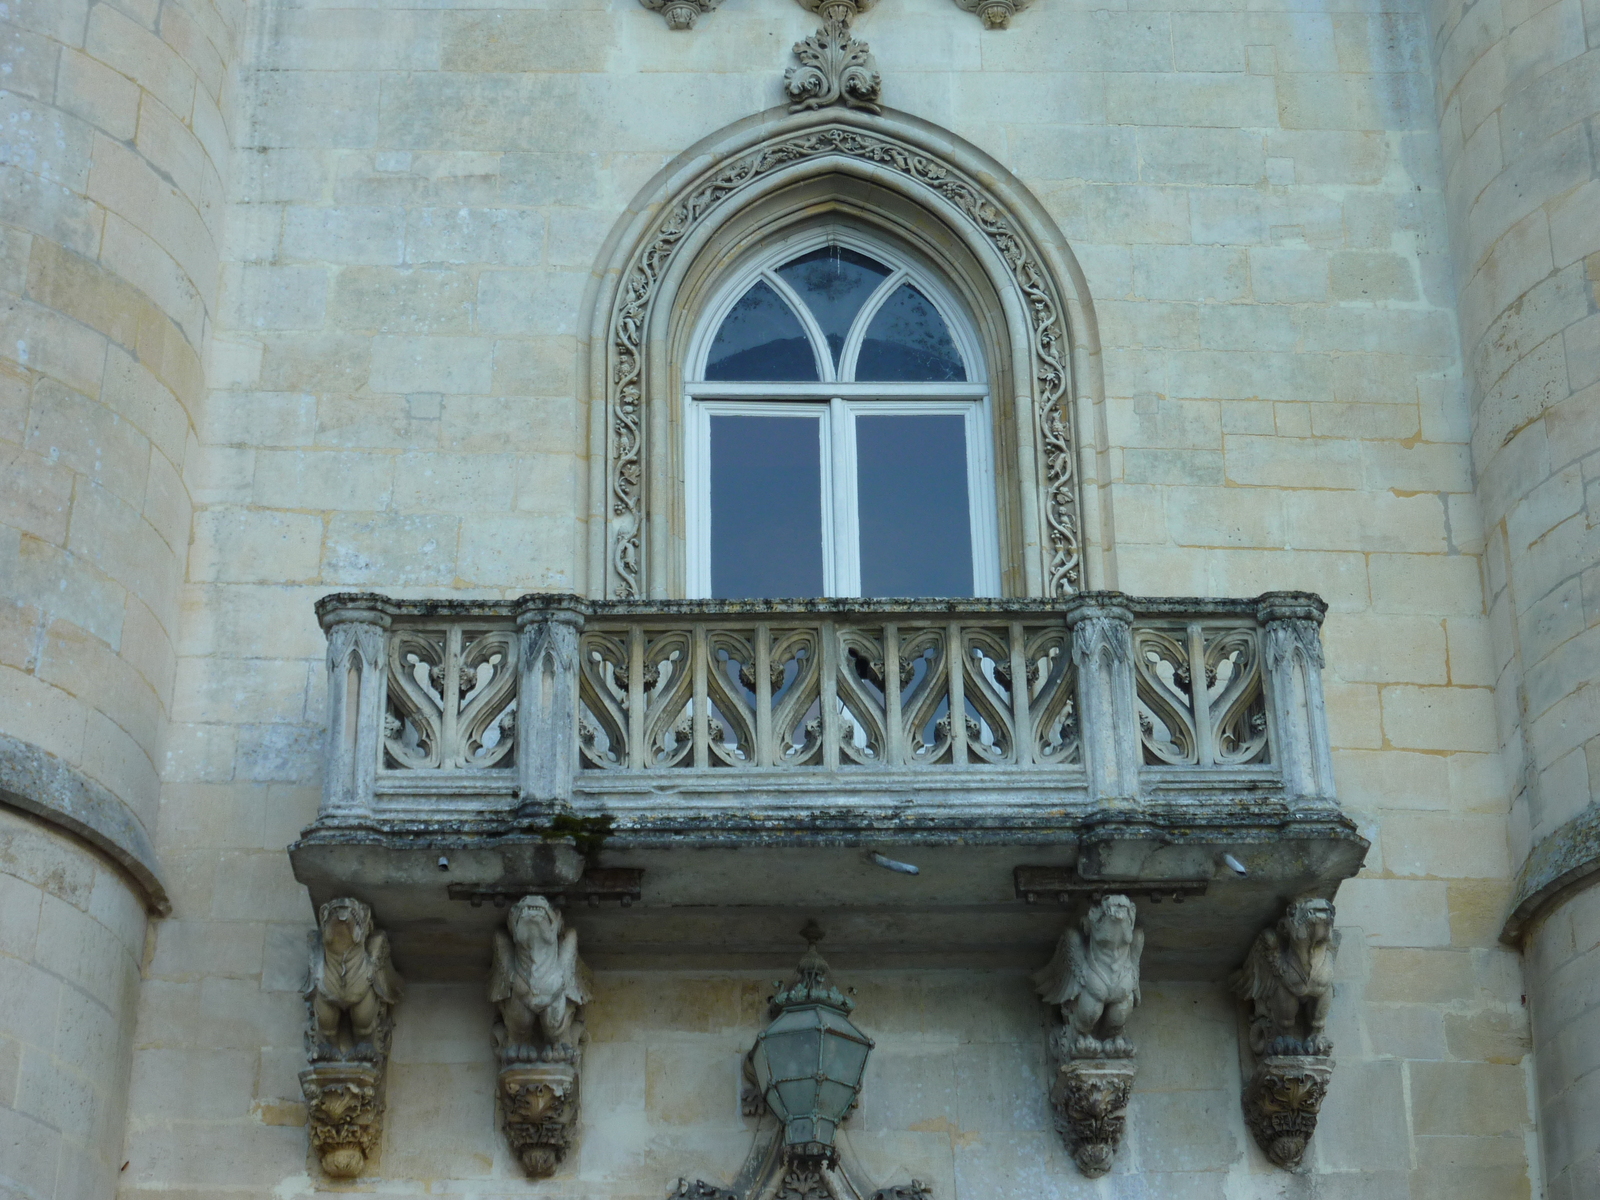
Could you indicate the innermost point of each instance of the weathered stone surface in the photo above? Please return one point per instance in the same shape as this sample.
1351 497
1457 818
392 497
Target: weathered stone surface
1280 269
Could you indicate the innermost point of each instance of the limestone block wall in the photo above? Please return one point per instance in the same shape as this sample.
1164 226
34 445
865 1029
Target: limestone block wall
416 205
112 148
71 938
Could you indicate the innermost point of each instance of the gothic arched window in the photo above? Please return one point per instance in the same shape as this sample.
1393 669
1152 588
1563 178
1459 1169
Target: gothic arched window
838 431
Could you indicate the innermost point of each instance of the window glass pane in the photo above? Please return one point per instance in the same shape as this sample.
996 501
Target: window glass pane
761 339
907 340
766 507
911 486
834 283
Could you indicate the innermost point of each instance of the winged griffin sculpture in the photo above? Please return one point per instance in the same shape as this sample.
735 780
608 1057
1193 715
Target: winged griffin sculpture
539 983
1094 977
1288 981
351 985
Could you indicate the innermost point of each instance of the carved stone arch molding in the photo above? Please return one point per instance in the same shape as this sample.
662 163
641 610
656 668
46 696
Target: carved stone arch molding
916 185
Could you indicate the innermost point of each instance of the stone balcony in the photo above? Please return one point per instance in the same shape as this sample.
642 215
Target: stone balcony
718 767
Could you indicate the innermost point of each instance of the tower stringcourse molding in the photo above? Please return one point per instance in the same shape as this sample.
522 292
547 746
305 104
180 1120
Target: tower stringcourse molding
1143 784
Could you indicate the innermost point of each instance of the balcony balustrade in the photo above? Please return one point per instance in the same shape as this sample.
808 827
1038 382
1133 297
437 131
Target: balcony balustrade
1123 741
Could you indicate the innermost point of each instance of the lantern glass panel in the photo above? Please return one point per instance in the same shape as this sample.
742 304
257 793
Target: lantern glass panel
796 1097
843 1058
833 1100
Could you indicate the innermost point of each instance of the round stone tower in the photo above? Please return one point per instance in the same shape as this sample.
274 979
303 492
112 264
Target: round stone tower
112 155
1519 103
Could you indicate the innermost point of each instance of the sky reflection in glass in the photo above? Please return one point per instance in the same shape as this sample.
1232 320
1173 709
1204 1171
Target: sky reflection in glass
907 340
761 340
766 507
834 283
911 487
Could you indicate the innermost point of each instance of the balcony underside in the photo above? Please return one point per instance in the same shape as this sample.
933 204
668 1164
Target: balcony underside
729 888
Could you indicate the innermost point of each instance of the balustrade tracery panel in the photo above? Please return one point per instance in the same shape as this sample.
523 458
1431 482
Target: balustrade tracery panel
1200 696
452 698
834 694
439 711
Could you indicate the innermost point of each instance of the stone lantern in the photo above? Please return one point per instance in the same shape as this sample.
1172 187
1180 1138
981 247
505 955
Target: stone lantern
809 1061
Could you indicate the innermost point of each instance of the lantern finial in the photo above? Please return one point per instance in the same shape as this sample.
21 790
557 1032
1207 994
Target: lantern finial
811 984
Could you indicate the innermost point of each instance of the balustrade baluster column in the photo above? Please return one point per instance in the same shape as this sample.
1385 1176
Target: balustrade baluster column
766 751
1022 750
700 698
955 657
357 697
547 709
893 718
1292 661
828 694
1102 649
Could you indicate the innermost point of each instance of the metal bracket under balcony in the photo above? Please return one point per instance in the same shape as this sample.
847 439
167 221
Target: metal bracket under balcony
748 757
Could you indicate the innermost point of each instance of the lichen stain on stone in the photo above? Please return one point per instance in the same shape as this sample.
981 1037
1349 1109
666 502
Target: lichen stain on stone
279 1112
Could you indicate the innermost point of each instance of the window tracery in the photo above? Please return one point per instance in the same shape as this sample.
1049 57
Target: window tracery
837 431
939 185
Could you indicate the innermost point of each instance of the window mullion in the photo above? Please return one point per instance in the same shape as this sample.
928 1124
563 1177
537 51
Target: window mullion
846 526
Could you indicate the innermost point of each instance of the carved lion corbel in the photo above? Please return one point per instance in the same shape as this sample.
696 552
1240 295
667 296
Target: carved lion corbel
1093 979
1287 984
351 990
540 986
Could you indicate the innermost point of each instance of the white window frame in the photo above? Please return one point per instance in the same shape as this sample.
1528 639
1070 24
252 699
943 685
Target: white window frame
835 405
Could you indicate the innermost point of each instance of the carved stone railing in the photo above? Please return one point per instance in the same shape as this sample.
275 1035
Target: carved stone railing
956 714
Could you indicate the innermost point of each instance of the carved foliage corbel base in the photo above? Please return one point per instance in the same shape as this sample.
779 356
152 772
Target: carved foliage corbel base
344 1111
995 14
681 14
540 1105
1090 1097
1281 1103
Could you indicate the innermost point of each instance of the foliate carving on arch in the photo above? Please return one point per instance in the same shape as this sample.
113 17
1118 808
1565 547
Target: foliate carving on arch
642 279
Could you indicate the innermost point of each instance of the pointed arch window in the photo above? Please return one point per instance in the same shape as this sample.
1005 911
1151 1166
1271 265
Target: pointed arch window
838 432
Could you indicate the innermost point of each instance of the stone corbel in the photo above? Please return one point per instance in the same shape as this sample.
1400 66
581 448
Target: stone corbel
1287 984
681 14
834 67
540 985
995 14
1093 978
350 994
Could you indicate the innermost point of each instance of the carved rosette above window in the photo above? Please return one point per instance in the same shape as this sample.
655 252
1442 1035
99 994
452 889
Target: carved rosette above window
995 14
681 14
951 189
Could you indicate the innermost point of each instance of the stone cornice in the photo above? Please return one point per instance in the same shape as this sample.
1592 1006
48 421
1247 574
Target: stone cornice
1564 862
39 783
